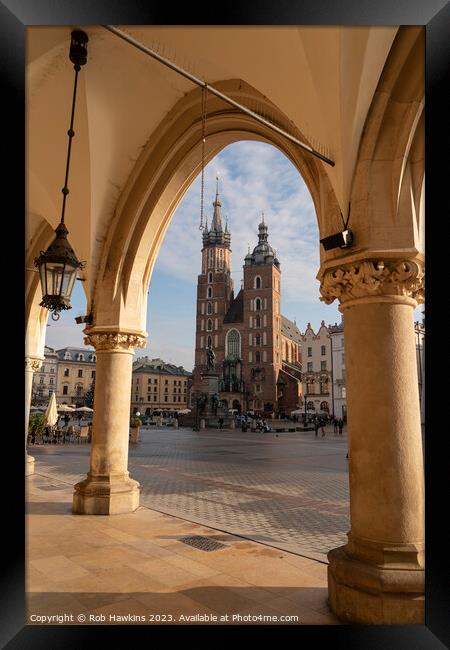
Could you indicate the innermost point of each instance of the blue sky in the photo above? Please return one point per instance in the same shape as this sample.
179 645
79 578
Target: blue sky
254 178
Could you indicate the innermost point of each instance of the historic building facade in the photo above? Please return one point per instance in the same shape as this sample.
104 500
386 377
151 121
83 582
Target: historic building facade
75 374
317 377
158 386
338 387
68 372
257 350
45 379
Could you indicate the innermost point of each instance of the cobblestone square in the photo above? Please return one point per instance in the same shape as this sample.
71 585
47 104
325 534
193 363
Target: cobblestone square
286 490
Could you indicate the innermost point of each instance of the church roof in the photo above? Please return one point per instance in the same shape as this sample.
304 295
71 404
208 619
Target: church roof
290 330
235 313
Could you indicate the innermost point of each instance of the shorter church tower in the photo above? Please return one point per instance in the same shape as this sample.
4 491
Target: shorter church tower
261 347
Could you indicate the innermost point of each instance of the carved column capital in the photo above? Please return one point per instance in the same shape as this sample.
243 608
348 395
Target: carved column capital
371 278
33 363
110 341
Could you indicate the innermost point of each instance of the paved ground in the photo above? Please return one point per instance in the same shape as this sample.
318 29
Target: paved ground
137 569
288 491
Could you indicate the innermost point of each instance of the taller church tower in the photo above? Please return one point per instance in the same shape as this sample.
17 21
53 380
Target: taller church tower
214 291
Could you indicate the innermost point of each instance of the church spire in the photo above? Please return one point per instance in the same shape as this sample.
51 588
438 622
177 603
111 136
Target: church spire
217 218
216 235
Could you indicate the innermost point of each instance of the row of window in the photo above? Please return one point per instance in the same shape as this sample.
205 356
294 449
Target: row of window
309 366
78 390
323 351
80 372
181 398
176 382
80 357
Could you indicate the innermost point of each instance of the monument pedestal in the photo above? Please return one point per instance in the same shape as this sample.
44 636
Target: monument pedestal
212 410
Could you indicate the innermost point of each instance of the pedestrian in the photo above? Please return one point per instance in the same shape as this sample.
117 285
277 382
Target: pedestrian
335 424
322 427
340 425
220 423
316 427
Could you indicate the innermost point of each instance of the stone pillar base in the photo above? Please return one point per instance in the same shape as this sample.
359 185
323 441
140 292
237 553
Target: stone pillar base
374 594
29 464
105 495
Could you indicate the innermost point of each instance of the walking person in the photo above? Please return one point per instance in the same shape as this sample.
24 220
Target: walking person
322 427
220 423
335 424
340 425
316 426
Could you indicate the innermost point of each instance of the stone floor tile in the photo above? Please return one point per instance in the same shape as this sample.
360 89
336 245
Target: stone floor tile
59 567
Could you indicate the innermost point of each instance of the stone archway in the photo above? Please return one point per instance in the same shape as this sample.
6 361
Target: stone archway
378 576
166 168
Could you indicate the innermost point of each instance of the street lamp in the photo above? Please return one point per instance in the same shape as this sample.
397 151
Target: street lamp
58 265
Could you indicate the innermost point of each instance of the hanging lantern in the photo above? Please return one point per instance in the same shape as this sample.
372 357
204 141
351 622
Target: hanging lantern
58 269
58 265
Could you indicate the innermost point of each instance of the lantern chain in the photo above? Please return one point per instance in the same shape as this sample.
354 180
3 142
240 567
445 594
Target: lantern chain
70 133
204 97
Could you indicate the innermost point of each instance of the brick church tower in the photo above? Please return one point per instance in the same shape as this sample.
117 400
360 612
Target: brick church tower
262 345
257 350
214 292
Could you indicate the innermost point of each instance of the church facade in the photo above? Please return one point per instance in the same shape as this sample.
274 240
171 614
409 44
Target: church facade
257 350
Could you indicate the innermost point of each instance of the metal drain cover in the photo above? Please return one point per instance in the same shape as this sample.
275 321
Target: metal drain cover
202 543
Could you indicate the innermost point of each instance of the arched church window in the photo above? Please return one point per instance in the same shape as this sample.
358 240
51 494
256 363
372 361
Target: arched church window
258 357
258 339
209 325
210 276
233 344
257 321
257 282
209 342
209 308
209 293
258 304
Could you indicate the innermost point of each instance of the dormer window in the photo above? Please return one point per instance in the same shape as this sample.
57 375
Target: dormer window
80 357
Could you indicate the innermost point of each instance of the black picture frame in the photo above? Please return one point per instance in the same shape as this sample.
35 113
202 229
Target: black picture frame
434 15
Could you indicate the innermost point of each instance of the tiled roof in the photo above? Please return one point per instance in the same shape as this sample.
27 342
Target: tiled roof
290 330
74 352
159 366
235 313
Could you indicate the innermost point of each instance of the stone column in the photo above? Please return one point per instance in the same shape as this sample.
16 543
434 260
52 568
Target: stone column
378 576
32 365
108 489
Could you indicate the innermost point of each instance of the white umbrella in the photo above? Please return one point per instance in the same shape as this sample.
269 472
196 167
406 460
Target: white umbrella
86 409
232 410
51 414
184 411
297 412
65 407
